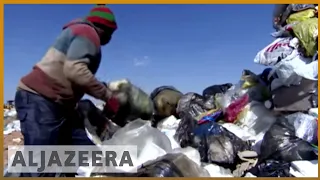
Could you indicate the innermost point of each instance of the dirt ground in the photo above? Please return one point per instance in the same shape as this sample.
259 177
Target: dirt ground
15 138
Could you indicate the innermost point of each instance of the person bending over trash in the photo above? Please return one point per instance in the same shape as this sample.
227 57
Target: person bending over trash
46 97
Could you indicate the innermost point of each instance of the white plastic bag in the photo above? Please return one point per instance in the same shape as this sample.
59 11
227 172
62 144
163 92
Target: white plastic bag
290 72
217 171
304 168
169 126
280 48
305 125
151 142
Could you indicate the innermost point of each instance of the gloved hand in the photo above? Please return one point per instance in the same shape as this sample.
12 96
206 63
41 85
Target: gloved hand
112 105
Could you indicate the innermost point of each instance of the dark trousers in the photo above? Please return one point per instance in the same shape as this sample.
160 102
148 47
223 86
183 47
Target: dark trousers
44 122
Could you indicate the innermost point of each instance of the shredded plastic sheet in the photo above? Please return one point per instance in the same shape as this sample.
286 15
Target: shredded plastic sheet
304 168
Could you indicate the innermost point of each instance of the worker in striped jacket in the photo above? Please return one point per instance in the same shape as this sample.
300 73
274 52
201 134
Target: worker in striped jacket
47 96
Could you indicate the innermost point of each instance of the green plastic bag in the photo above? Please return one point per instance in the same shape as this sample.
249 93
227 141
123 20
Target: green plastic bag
135 103
307 32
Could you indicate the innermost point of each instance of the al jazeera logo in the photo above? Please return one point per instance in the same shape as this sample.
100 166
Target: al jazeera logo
68 159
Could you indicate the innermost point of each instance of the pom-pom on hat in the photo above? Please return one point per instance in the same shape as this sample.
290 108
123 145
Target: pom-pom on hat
102 15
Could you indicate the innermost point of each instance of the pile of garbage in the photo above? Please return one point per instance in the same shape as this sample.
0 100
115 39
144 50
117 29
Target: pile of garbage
265 125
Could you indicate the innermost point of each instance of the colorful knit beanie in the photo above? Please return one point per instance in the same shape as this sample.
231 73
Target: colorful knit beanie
102 15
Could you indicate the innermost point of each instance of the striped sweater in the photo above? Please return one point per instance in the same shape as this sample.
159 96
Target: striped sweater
67 70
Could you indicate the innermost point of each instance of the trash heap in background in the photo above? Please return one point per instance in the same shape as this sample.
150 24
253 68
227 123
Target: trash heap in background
266 125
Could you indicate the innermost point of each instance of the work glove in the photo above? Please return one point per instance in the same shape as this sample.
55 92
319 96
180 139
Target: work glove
112 105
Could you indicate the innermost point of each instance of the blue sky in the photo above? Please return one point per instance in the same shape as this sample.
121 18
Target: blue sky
187 46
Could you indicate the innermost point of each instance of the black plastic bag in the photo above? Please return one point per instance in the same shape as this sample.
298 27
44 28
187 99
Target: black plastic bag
194 105
271 168
215 89
169 165
280 143
184 133
218 145
102 126
172 165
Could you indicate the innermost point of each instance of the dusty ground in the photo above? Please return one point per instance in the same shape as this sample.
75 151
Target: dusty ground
15 138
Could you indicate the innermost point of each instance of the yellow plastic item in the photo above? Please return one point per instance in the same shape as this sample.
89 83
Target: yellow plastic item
206 113
307 32
248 79
301 16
